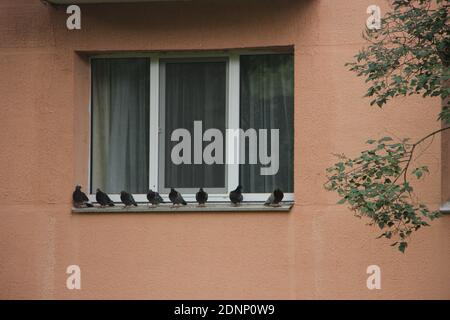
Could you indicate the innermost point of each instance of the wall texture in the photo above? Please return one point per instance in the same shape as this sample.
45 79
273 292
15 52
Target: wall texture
318 250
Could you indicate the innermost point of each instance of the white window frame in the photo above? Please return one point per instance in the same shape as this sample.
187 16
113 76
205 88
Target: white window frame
232 112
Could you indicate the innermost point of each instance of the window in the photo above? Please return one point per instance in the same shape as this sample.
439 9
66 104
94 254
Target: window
147 110
266 102
120 122
192 90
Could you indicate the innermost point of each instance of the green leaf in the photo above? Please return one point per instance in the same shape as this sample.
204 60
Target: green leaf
402 246
418 174
384 139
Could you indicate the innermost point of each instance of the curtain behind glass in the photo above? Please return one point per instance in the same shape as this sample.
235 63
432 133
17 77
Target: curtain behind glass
194 91
267 102
120 125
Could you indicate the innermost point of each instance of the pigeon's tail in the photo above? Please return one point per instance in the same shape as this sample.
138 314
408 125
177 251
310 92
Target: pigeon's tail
89 205
184 203
269 200
111 204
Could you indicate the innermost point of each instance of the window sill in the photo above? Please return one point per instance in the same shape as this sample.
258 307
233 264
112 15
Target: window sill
445 208
190 207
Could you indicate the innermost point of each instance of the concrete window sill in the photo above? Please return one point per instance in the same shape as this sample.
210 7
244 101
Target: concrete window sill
445 208
190 207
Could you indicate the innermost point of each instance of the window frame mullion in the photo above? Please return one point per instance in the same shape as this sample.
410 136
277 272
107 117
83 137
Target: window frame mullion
154 125
233 116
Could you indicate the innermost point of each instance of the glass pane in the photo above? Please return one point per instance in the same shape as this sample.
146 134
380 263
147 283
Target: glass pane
194 91
120 125
267 102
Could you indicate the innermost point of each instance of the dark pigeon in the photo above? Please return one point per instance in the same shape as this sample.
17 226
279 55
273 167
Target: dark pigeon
80 199
236 196
201 197
176 197
154 198
103 199
127 199
275 198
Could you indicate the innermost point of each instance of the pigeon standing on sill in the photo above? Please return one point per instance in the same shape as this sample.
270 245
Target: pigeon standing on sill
201 197
127 199
275 198
154 198
103 199
176 198
80 199
236 196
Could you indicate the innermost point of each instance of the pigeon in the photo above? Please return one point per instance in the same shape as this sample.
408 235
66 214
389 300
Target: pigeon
80 199
275 198
201 197
176 197
236 195
127 199
154 198
103 199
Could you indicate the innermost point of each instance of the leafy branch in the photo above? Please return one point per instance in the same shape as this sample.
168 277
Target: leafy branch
376 185
409 55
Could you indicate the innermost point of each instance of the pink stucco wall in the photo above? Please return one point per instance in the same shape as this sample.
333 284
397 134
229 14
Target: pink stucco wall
318 250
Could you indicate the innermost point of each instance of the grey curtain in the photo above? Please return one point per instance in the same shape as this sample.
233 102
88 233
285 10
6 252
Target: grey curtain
267 102
194 91
120 125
